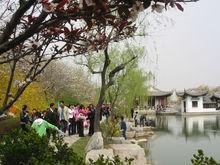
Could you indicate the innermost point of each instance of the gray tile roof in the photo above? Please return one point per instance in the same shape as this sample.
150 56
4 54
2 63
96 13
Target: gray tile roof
154 92
192 92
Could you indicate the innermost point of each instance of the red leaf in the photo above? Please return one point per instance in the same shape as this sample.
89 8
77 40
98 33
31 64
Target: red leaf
179 6
66 30
61 4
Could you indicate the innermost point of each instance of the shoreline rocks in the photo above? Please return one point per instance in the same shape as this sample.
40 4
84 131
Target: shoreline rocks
130 151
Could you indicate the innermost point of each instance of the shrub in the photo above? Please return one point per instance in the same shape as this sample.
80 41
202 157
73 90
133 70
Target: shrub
110 129
115 161
201 159
20 147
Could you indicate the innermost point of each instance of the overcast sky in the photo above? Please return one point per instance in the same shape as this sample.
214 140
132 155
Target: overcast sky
189 50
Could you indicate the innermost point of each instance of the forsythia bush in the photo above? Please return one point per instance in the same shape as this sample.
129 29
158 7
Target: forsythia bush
110 128
33 96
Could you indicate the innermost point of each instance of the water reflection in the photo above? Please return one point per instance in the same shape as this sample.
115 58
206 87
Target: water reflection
193 126
187 134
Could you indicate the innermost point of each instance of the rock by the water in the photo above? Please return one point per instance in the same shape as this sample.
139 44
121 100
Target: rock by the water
119 140
133 141
95 142
130 134
130 151
137 129
141 134
141 140
94 154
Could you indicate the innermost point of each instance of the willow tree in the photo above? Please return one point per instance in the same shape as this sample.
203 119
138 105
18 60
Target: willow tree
129 90
108 65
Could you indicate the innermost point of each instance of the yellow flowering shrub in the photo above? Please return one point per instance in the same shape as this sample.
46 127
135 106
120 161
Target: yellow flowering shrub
33 96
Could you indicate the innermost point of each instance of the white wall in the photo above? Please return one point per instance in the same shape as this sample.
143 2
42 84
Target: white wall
200 108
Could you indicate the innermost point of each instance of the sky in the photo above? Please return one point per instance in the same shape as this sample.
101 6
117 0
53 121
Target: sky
187 52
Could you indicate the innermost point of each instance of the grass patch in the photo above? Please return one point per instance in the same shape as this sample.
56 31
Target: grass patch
8 124
80 145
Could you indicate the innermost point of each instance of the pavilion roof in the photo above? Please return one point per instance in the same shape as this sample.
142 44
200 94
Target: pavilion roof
192 92
154 92
216 95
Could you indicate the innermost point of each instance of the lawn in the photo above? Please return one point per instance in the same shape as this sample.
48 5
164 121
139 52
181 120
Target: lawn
80 145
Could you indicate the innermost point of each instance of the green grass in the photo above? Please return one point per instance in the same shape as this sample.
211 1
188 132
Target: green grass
7 125
80 145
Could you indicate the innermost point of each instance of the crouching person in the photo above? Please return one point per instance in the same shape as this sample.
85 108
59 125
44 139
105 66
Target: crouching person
40 125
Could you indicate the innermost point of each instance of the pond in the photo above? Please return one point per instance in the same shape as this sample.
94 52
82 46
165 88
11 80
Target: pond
177 138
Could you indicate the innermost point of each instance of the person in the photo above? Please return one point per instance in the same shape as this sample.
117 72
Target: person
63 116
24 118
71 120
136 118
123 127
44 114
91 117
50 115
33 115
40 125
142 120
57 117
132 113
80 121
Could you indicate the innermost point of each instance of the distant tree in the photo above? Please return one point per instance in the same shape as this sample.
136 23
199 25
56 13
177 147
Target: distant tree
62 80
108 67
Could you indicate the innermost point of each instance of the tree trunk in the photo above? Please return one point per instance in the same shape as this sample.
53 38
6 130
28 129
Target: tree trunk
102 92
98 109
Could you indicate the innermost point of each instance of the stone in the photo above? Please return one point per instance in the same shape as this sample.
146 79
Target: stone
151 133
129 125
141 134
130 151
137 129
95 142
119 140
141 140
133 141
130 134
146 129
94 154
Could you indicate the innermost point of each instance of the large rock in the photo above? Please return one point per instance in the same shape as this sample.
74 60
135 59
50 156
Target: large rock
95 142
141 134
146 129
130 134
94 154
130 151
119 140
137 129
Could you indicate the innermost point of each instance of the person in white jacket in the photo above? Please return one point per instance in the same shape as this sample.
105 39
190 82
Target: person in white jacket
63 116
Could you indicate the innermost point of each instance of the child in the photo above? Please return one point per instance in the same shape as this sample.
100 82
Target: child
123 127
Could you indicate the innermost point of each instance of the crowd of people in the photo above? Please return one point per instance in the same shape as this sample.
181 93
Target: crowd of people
70 119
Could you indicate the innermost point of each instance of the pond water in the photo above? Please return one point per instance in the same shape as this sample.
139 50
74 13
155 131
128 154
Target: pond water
177 138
